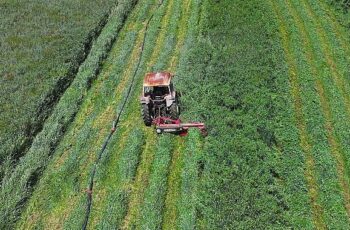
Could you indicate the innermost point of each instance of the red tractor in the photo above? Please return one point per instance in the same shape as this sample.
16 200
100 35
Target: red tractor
160 105
159 98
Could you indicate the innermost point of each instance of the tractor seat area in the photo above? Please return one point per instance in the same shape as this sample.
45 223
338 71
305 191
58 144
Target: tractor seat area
159 92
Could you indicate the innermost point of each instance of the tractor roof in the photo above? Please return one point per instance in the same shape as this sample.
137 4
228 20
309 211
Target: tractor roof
157 79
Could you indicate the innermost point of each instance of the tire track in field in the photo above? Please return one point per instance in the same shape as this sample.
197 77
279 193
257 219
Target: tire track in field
317 209
115 122
326 107
143 170
174 176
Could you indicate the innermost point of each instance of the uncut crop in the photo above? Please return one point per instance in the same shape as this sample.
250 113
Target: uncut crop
42 45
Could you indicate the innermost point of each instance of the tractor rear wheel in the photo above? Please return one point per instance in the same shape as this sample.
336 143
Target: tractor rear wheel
146 115
174 111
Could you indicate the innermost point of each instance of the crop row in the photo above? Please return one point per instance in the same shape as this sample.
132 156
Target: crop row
317 84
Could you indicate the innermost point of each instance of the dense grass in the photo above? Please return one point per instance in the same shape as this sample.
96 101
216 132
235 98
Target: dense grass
188 200
42 45
343 5
17 184
251 169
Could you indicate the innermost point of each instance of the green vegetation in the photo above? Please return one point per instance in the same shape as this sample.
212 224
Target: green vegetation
244 80
18 181
269 78
152 209
42 46
321 81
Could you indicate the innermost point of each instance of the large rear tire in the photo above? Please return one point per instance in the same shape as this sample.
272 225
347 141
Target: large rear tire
174 111
146 115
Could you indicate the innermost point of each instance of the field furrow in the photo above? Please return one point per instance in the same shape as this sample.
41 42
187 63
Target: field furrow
339 80
315 56
326 150
317 210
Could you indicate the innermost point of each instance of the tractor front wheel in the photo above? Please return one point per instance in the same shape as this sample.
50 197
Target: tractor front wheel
146 115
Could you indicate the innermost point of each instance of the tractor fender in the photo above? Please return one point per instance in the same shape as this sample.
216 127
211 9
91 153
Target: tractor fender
145 100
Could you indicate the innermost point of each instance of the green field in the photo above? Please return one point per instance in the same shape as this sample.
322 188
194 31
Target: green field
269 78
43 43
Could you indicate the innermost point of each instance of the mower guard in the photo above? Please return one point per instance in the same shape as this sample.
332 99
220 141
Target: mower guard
168 125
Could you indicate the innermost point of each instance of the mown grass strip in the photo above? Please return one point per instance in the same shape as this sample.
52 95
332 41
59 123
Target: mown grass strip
336 149
157 203
317 210
336 26
147 155
121 142
310 71
116 120
342 124
151 214
162 34
141 180
120 181
181 203
182 32
333 22
129 90
174 180
173 193
189 182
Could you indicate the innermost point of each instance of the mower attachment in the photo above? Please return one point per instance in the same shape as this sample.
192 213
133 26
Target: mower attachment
168 125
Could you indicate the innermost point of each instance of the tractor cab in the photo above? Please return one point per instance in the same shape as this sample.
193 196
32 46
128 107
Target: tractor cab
156 92
157 84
